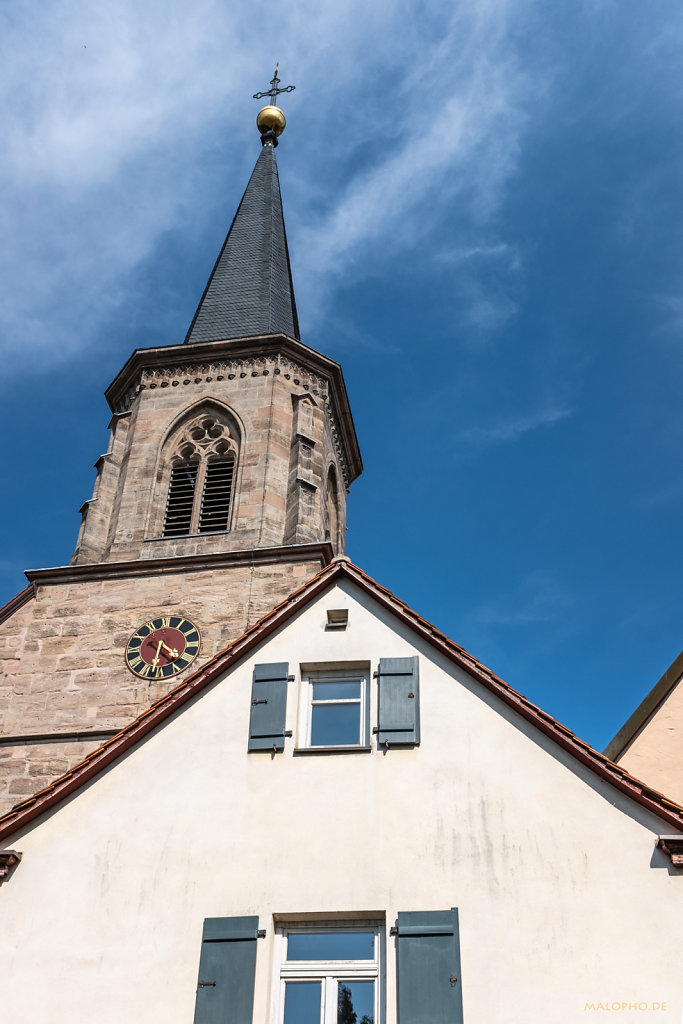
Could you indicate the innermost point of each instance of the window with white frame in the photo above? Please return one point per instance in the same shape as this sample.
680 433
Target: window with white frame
329 974
336 708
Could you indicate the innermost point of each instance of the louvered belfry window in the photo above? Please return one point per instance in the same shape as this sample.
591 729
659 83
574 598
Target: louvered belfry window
180 499
215 507
201 482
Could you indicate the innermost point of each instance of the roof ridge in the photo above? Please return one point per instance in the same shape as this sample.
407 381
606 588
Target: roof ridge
20 815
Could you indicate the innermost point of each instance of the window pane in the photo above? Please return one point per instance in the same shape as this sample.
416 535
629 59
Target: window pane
356 1002
335 724
331 946
336 691
302 1002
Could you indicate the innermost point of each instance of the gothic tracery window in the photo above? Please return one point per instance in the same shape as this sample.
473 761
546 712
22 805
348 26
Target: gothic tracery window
203 461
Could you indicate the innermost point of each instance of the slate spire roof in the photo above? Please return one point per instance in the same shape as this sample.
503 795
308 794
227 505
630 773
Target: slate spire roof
250 289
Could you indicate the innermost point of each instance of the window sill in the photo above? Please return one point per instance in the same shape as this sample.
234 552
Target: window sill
331 750
186 536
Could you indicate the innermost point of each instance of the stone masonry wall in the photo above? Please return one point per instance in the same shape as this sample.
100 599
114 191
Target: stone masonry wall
124 518
62 666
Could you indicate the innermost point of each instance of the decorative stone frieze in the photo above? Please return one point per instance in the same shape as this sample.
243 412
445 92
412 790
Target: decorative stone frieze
242 369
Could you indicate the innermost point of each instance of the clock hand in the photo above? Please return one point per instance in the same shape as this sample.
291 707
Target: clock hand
173 653
156 656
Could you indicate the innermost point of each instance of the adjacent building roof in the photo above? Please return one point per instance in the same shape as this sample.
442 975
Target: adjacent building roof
340 569
645 710
250 290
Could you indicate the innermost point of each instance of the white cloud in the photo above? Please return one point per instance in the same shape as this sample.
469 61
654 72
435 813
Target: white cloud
498 251
508 429
538 598
455 144
110 113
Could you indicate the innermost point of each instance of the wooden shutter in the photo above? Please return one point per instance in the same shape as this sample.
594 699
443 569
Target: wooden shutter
428 967
268 707
227 967
398 702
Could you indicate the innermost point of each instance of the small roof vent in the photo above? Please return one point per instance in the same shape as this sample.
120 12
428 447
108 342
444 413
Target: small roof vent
337 618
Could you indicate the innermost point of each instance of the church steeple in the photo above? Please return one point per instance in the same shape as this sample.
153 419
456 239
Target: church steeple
250 290
222 489
240 440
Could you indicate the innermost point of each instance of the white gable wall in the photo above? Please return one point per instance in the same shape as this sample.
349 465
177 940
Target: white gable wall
563 899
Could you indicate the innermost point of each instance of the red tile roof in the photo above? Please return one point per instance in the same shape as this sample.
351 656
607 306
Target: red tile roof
109 752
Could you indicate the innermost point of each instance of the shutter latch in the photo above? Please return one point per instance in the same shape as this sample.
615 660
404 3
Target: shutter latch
453 979
411 696
206 984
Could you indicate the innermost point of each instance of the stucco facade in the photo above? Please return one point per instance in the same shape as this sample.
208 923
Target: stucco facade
563 900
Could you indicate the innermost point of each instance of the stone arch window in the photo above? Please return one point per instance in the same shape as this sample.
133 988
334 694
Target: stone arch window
203 465
332 508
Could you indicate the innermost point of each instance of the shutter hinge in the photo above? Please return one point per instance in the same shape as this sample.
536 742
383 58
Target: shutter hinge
285 734
258 702
206 984
453 979
411 696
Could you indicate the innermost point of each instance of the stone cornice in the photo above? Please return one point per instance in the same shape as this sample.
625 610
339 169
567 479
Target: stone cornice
207 360
321 552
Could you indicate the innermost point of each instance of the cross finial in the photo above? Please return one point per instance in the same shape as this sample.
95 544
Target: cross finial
274 90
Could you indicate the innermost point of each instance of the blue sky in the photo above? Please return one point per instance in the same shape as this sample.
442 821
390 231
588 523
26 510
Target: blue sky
483 208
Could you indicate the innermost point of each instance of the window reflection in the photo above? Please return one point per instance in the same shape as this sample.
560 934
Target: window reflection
356 1002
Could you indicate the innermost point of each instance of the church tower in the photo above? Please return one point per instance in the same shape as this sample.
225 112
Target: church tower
223 489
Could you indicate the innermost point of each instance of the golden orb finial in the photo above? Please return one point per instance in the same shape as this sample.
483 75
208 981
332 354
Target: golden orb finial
270 120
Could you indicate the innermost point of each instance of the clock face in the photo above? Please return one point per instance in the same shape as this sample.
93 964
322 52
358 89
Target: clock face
163 647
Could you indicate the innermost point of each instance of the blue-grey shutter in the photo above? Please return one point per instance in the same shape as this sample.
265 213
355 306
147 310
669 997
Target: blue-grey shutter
428 967
268 707
227 966
398 702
